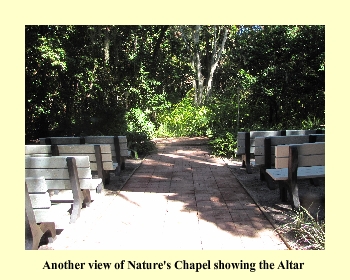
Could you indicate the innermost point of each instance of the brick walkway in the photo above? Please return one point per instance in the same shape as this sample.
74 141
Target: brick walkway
180 198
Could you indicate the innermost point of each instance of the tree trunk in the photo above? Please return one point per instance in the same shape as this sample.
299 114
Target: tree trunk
215 60
106 45
202 83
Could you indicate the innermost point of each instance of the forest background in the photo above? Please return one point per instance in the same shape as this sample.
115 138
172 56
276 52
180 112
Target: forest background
165 81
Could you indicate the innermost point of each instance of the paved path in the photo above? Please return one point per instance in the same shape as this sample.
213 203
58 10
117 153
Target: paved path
179 198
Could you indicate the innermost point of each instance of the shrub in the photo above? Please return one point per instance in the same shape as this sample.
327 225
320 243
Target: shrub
139 144
224 144
184 119
139 121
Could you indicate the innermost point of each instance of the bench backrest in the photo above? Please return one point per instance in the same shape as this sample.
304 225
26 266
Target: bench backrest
75 150
56 172
64 173
304 132
62 140
274 141
309 154
241 140
241 137
115 141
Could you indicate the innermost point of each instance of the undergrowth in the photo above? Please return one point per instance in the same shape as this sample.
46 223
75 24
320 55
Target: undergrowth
308 231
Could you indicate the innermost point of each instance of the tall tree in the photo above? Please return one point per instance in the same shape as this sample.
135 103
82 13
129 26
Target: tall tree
206 46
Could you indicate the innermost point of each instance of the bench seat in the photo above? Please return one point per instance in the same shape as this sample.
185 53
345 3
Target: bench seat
308 172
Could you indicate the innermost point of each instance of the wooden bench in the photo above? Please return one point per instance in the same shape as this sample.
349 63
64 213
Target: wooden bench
118 145
294 162
37 198
246 145
246 142
265 150
100 156
70 177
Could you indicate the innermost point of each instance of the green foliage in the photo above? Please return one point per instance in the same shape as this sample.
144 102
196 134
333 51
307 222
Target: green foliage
139 121
224 144
309 231
139 144
184 119
312 123
111 79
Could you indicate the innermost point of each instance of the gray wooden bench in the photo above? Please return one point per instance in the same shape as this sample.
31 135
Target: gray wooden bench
295 162
37 198
118 145
246 143
265 149
100 156
69 182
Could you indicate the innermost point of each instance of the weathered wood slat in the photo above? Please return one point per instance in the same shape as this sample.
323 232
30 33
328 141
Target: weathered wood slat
40 200
311 160
36 185
260 151
104 140
260 160
56 173
37 149
55 162
59 213
106 166
92 157
303 149
283 140
37 190
61 140
303 173
85 184
300 132
83 149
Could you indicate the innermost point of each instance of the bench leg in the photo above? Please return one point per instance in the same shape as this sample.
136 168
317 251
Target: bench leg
78 195
246 163
292 176
315 181
49 231
283 191
86 198
243 161
271 184
35 233
292 189
123 163
107 176
294 194
262 174
99 188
